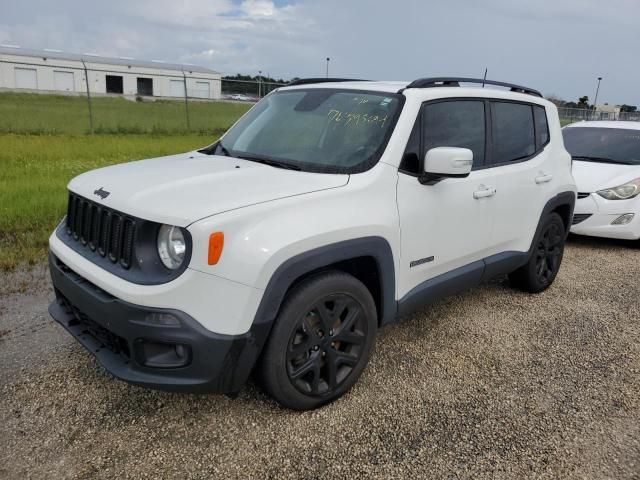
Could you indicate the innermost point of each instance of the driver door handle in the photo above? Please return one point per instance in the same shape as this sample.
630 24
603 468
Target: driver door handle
484 192
543 178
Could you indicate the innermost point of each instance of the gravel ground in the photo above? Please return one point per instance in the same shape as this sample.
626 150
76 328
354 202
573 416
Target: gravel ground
490 384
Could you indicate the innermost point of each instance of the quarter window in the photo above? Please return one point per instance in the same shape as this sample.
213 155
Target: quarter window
459 123
513 132
542 128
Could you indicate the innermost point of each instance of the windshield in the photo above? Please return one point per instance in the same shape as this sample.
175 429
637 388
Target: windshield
318 130
613 145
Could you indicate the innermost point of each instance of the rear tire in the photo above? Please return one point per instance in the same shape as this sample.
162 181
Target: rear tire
548 248
321 341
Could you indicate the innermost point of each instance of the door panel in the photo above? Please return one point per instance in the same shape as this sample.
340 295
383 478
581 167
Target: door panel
446 225
442 225
522 180
518 205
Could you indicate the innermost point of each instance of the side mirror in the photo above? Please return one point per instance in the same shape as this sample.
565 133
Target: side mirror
446 162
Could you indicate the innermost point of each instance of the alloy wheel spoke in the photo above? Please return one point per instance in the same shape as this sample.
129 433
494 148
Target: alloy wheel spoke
325 315
315 382
309 365
332 368
303 347
339 307
349 321
342 358
352 338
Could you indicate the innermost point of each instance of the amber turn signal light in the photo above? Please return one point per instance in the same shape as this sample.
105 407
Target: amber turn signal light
216 242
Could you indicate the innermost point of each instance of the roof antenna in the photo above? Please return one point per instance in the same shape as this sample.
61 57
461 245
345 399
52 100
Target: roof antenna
485 77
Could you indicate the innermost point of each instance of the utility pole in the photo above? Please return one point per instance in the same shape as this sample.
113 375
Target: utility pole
259 84
186 101
328 59
595 100
86 79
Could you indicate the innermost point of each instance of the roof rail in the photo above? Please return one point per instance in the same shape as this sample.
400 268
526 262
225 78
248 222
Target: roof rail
456 81
306 81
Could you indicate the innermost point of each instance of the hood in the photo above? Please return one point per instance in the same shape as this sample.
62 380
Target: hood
181 189
593 176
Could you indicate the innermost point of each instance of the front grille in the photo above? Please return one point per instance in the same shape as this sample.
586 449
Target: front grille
101 229
583 195
106 338
580 217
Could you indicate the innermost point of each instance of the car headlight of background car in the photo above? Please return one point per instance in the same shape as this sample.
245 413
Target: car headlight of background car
622 192
172 246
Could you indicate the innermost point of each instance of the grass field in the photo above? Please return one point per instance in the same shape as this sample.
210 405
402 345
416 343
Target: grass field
43 144
25 113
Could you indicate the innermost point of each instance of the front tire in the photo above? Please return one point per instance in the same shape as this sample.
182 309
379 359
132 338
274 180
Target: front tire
321 341
543 266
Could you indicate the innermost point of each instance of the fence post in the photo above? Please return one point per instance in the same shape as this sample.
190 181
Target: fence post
186 101
86 79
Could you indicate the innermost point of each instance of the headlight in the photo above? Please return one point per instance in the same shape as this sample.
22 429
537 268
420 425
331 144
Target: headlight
623 192
171 246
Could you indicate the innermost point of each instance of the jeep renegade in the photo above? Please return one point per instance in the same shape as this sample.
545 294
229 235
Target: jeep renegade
330 209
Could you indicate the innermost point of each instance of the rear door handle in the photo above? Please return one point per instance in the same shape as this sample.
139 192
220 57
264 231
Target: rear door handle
543 178
484 193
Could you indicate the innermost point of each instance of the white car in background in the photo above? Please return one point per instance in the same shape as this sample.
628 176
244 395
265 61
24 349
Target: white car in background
606 167
242 98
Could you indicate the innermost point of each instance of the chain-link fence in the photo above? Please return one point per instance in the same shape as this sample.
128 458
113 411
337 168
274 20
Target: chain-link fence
51 94
247 90
570 115
164 97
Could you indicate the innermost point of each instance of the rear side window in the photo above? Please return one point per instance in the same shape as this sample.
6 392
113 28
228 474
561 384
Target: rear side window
542 127
459 123
513 132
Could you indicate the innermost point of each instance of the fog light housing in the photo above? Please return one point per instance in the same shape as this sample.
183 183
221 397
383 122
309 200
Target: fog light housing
162 355
623 219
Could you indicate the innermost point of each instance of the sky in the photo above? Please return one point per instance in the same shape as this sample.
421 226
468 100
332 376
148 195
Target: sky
557 46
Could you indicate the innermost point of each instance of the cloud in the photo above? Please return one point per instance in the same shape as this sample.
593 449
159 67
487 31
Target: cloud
258 8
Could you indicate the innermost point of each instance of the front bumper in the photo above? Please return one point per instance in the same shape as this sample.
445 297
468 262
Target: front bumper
601 213
131 348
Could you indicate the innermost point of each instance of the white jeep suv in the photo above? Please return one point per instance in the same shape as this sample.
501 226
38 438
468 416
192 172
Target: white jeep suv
330 209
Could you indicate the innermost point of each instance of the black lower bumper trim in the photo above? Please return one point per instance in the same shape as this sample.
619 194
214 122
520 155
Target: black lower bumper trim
114 331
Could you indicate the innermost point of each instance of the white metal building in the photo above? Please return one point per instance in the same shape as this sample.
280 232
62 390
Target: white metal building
608 112
55 71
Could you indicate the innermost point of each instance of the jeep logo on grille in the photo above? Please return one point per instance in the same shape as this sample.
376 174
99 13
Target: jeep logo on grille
102 193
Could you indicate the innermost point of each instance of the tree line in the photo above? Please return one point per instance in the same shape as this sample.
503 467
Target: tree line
248 84
583 103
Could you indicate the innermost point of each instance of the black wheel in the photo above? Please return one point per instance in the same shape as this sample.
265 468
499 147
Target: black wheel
321 341
543 266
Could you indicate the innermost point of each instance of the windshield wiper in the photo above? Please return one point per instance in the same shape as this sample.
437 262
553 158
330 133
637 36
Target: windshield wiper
598 159
270 162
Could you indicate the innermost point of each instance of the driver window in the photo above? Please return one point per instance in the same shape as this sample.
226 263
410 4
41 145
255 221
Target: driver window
458 123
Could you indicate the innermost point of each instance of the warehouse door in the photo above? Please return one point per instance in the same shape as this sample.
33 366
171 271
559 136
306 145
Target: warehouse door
145 86
202 90
26 78
176 88
114 84
63 81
